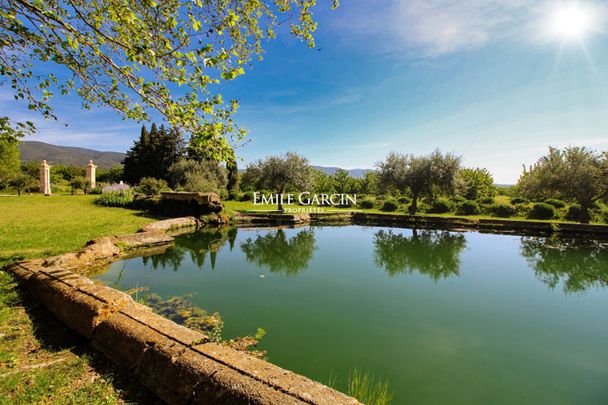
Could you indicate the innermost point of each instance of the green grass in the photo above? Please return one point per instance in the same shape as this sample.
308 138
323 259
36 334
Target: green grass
43 362
244 206
33 226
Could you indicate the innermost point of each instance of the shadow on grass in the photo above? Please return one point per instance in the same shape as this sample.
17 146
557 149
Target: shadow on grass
6 260
53 336
146 214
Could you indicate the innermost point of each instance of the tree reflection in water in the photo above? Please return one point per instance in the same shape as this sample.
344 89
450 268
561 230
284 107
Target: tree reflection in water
197 244
430 252
279 253
579 263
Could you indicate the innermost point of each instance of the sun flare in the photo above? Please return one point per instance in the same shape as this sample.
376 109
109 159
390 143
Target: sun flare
571 22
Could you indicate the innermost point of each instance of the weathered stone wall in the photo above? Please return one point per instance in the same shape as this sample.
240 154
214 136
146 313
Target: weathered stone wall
497 225
178 364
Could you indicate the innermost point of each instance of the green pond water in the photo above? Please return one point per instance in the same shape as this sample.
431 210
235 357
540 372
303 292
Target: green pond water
445 317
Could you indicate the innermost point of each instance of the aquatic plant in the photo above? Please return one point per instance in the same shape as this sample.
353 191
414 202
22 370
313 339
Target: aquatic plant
365 388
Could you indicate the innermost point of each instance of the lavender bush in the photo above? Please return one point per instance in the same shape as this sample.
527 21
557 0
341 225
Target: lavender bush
115 187
115 195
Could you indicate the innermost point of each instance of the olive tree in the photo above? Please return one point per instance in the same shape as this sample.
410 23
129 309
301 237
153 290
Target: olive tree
141 58
22 182
575 173
290 172
192 175
476 183
421 175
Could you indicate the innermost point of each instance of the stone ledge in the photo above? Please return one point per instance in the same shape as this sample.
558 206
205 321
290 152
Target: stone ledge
495 225
178 364
171 224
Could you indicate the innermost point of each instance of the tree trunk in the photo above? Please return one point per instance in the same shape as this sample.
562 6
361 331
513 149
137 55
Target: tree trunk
281 199
585 217
414 205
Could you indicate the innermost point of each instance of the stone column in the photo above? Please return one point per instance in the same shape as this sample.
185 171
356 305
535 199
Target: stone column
91 174
45 178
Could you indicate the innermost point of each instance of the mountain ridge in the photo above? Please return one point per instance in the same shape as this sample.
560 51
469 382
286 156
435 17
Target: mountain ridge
36 151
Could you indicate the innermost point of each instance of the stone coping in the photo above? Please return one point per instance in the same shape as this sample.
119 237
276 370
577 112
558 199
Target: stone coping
491 225
176 363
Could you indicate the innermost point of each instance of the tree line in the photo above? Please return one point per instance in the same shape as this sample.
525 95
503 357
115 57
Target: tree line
570 183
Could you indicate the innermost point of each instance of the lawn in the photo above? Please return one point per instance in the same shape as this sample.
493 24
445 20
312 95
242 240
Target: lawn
41 360
34 226
244 206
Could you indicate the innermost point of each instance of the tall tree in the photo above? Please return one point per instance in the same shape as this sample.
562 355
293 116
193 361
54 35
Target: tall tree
421 175
233 174
141 57
153 154
9 161
290 172
576 174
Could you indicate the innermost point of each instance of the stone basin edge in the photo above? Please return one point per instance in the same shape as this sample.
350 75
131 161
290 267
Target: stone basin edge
180 365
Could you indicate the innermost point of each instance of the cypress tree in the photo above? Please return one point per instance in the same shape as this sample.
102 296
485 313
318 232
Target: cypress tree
233 174
153 154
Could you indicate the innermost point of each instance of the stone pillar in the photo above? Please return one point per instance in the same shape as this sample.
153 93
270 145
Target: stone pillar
91 174
45 178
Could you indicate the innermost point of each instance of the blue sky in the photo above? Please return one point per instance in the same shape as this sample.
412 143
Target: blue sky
495 81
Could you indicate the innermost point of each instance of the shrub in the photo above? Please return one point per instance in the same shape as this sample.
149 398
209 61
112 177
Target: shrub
191 175
457 199
404 200
519 200
486 201
390 205
441 206
605 216
542 211
79 183
468 208
247 196
555 202
115 187
502 210
120 198
234 195
97 189
367 203
151 186
574 212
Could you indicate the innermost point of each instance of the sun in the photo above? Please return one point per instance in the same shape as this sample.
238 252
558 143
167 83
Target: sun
571 22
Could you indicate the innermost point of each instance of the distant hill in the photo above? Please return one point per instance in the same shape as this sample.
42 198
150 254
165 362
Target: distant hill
33 151
357 173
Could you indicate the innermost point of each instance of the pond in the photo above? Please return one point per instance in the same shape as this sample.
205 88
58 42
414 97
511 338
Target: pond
445 317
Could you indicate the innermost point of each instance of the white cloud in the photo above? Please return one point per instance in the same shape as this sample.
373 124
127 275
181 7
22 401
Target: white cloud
432 28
